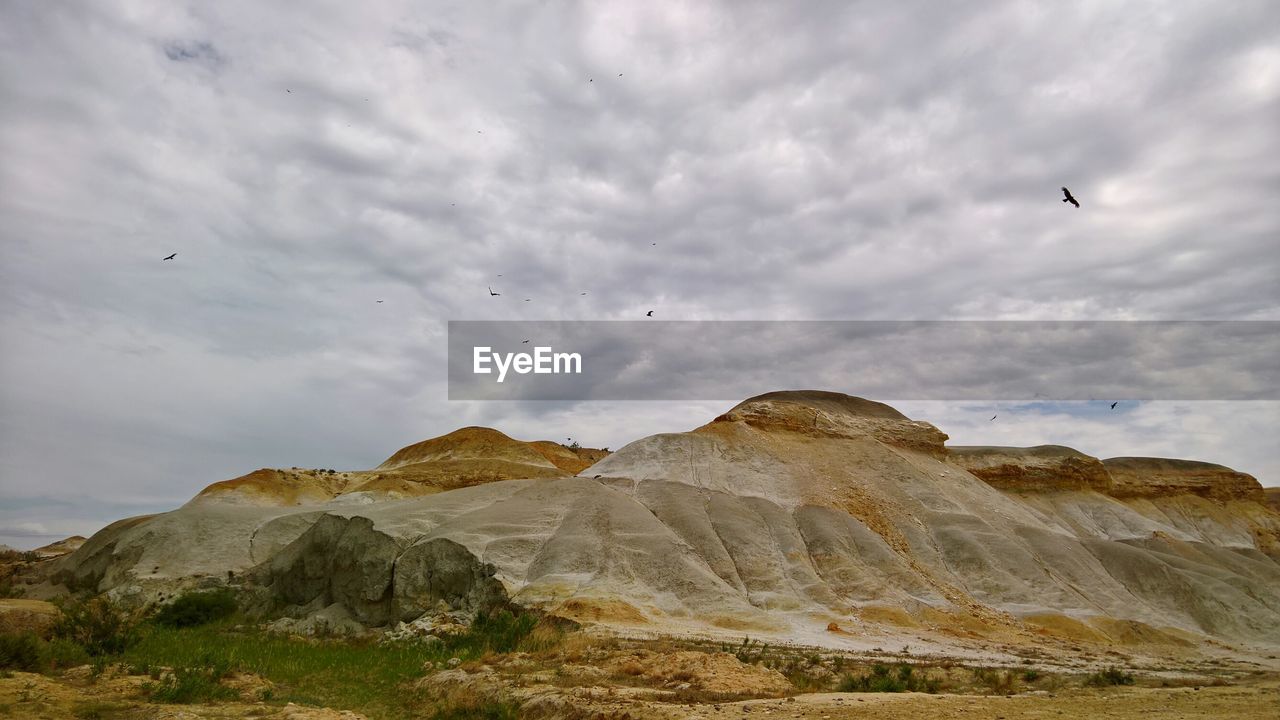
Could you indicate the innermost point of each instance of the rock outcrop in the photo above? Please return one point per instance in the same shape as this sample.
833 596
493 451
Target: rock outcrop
790 513
1033 469
465 457
1163 477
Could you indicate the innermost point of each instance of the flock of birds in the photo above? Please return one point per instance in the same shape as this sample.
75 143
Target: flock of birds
1067 198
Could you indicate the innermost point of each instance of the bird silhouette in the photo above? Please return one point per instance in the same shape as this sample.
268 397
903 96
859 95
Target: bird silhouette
1114 404
528 299
172 256
649 314
582 293
379 301
524 342
1068 198
288 90
993 417
492 293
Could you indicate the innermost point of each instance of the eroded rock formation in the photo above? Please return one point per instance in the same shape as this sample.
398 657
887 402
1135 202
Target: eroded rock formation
789 513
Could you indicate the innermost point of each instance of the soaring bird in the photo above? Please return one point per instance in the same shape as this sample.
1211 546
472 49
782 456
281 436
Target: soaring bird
288 90
492 293
172 256
993 417
524 342
649 314
1068 198
379 301
582 293
1114 404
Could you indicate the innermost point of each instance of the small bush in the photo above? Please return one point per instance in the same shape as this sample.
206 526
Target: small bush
197 608
499 632
188 685
97 626
1109 677
61 653
19 652
883 679
1003 683
1030 675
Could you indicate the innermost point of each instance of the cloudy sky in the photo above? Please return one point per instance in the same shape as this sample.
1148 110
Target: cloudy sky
767 161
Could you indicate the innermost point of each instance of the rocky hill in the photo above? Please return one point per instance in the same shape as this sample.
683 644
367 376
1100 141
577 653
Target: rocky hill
465 457
805 516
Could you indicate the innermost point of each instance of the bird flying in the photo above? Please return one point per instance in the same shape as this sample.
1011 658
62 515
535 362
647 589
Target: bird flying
649 314
993 417
492 293
1068 198
172 256
524 342
379 301
1114 404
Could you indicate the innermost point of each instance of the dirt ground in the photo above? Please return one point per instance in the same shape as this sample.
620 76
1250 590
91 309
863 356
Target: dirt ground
38 697
1238 703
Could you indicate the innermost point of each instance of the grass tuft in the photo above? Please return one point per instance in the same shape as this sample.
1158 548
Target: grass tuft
197 608
1109 677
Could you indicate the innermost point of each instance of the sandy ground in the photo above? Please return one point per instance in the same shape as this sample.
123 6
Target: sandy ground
1261 700
38 697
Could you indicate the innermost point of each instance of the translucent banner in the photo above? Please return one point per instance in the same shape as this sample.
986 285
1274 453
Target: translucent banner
901 360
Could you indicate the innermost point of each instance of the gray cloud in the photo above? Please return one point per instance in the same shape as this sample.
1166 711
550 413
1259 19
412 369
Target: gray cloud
816 161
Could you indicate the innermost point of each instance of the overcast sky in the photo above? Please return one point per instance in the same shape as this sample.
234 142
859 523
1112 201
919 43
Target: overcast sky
763 161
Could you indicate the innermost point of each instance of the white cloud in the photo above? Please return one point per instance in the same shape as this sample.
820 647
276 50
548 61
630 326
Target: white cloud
790 161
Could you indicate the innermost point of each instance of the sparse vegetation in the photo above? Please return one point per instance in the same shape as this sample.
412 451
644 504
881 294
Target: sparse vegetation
197 608
882 678
1000 682
20 652
1109 677
194 684
96 625
99 710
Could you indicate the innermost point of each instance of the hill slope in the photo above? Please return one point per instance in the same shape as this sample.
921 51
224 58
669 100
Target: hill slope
788 513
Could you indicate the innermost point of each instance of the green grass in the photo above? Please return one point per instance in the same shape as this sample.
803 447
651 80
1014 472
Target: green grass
366 677
339 674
